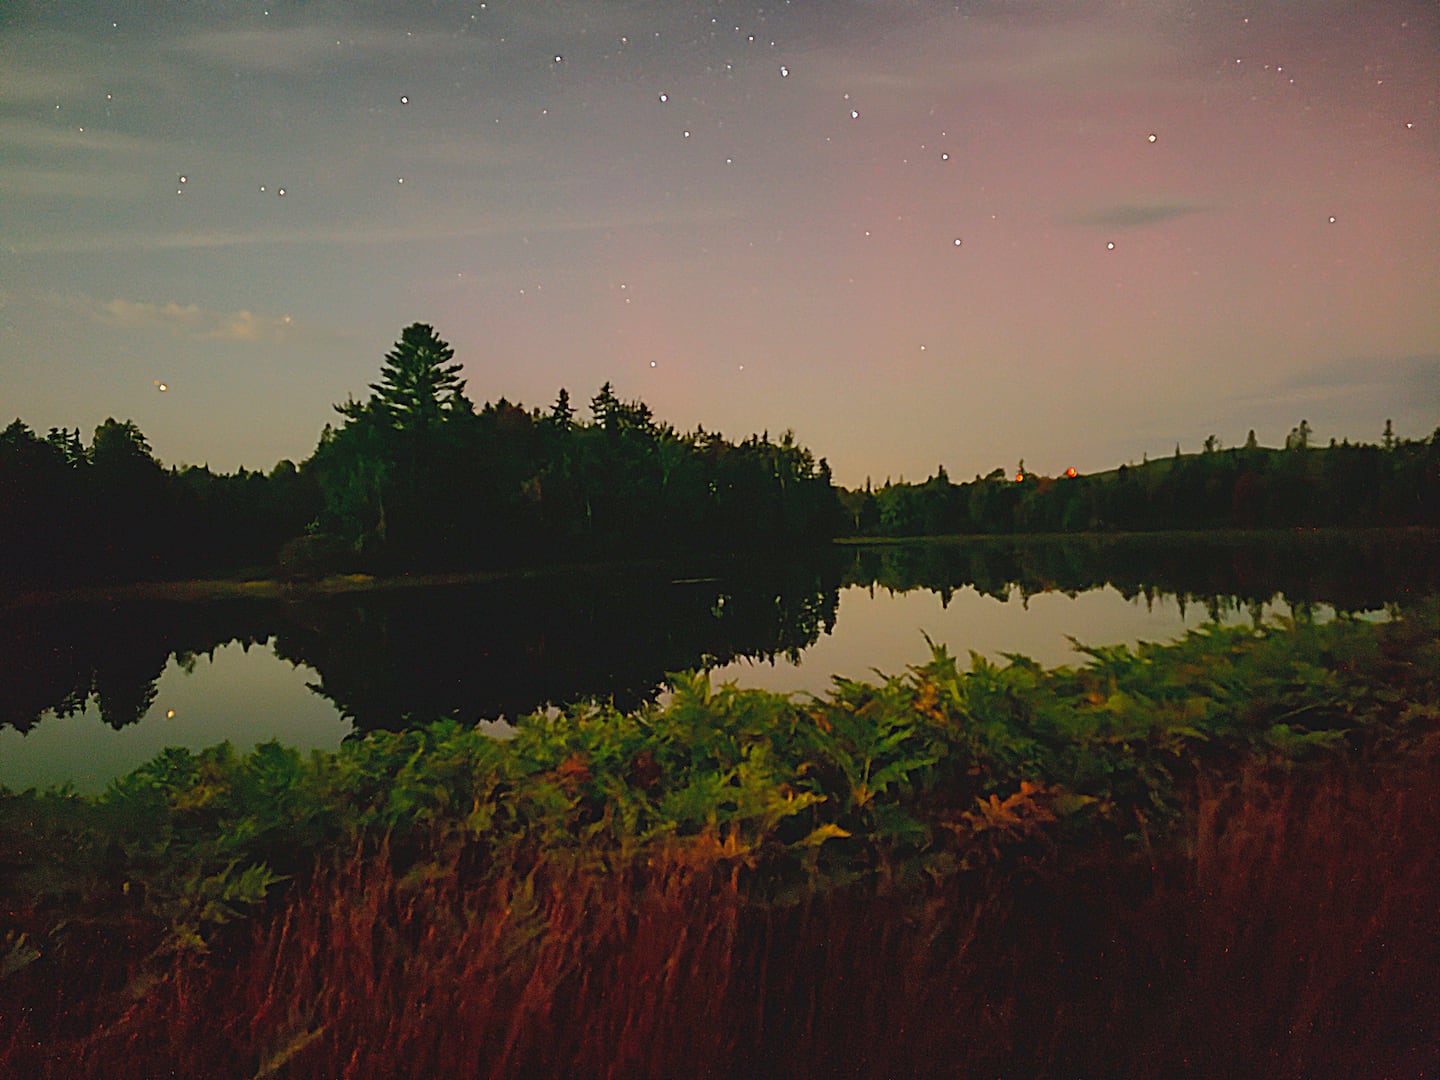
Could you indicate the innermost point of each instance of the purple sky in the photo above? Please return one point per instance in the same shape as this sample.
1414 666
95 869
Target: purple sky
886 224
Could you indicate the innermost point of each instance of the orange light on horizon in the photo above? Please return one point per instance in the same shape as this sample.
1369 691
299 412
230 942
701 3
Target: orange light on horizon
1071 471
1019 476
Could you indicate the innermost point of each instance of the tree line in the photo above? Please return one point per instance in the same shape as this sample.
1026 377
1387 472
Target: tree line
416 476
110 511
1395 482
412 476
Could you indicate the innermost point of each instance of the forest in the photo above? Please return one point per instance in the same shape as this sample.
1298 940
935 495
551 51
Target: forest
1342 485
414 476
417 477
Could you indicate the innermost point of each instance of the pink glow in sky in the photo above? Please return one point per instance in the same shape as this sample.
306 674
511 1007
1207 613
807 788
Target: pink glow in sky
746 214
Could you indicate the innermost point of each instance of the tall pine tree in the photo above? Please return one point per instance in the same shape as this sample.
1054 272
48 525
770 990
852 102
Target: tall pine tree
419 387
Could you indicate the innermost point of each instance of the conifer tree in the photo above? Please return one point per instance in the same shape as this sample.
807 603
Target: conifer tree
418 386
562 413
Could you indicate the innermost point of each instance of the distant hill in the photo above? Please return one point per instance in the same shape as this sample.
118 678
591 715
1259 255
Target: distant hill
1341 485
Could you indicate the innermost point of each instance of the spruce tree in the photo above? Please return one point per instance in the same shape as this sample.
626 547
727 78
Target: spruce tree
418 386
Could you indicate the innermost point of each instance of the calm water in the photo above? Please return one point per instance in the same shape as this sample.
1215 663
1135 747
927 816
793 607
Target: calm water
91 692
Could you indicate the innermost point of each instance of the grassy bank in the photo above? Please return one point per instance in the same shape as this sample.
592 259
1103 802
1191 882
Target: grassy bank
1220 856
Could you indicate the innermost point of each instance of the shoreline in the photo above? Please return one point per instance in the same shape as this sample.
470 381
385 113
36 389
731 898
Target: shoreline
199 590
1188 535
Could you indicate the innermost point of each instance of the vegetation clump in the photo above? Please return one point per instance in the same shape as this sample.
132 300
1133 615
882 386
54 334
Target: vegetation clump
978 868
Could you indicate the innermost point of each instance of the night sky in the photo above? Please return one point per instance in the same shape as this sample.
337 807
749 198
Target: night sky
914 232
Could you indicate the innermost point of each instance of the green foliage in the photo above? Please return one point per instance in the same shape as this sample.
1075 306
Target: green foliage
674 851
945 766
16 952
203 901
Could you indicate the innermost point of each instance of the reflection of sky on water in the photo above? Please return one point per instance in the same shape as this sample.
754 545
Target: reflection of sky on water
244 697
884 632
250 697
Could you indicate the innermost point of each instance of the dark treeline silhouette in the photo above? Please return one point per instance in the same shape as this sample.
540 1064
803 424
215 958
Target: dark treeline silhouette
110 511
1394 483
414 476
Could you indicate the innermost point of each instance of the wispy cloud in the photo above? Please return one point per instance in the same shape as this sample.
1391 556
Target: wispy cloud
1352 395
1417 374
946 52
31 136
52 183
1137 215
191 320
23 81
308 48
343 236
49 161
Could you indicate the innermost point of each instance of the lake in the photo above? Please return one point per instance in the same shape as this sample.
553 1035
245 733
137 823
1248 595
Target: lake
90 691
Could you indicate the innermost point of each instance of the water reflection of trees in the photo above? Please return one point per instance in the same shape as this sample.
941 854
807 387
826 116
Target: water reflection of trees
391 657
503 649
1348 571
59 658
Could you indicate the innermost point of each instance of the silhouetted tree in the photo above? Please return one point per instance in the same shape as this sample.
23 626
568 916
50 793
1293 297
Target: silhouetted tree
390 475
418 385
603 404
130 502
562 415
1299 437
120 446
